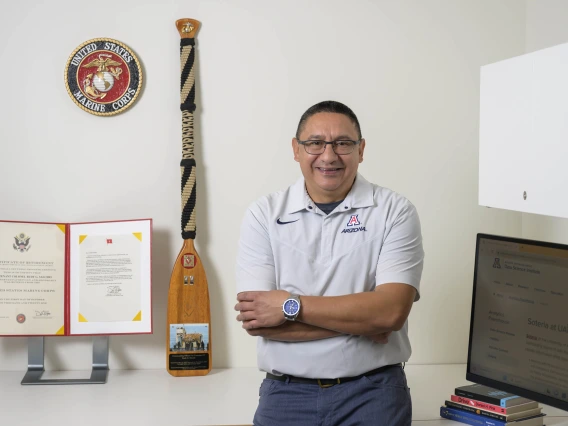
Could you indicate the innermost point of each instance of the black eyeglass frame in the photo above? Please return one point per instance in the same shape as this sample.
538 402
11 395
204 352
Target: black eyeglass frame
332 143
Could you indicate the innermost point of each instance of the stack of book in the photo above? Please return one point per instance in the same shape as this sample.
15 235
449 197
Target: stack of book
485 406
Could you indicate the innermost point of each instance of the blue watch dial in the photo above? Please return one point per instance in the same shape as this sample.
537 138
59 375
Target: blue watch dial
291 307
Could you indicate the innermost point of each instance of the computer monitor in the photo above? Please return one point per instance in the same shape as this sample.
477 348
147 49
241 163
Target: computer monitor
518 338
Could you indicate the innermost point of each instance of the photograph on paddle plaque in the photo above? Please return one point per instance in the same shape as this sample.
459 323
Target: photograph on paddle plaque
189 337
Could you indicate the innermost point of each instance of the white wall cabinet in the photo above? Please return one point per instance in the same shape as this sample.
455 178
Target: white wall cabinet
523 143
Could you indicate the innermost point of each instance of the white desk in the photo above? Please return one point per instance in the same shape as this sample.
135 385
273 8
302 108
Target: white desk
224 397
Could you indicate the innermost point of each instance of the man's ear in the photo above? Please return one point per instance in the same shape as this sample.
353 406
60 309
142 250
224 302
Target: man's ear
296 149
361 150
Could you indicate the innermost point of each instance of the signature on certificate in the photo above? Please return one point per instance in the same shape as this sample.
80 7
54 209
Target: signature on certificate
42 313
113 290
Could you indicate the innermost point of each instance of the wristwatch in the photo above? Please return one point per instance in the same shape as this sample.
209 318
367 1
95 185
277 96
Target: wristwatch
291 307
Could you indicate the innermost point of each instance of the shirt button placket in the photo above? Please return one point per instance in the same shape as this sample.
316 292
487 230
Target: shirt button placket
326 240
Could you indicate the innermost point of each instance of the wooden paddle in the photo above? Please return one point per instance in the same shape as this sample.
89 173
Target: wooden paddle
189 319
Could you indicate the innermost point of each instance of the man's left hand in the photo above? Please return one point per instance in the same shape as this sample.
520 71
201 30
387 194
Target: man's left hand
261 308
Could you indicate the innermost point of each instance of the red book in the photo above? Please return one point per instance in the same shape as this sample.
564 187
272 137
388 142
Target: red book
494 408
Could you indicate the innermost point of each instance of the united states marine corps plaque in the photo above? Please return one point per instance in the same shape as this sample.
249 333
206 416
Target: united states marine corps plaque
103 76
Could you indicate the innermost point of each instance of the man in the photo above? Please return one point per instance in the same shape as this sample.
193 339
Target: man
327 272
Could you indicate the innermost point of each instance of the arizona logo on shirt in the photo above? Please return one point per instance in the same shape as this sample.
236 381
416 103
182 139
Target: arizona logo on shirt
352 223
354 220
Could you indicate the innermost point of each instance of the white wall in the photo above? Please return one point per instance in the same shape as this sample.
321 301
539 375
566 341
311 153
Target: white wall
409 69
546 25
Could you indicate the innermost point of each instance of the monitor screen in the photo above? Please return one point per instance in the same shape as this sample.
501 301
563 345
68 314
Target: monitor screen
518 339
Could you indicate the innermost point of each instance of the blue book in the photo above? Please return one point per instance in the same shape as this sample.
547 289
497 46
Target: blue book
490 395
478 420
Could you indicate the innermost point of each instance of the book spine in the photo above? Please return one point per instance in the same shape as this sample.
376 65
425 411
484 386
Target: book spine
502 402
474 410
479 404
468 418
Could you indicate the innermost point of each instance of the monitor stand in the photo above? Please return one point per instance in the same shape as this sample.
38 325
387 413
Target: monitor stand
36 366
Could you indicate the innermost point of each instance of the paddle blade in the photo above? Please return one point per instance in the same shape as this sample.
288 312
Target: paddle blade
189 317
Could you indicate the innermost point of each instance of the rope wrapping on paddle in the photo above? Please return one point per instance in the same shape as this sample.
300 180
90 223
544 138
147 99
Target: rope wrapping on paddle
187 106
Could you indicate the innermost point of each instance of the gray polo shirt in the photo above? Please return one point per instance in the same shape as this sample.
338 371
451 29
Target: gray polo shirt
373 237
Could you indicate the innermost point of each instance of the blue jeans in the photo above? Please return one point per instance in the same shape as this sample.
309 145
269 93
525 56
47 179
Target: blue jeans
382 399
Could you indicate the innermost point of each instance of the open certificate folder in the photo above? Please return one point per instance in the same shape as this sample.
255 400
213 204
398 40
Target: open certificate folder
75 279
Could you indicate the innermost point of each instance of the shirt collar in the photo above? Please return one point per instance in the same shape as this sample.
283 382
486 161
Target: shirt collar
360 195
299 198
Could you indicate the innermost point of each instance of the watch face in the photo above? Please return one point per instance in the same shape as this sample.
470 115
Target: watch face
291 307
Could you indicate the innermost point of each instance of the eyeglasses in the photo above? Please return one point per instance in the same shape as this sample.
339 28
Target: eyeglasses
343 147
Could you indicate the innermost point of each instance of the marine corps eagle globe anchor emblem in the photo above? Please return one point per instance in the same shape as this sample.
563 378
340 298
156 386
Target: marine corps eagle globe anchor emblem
97 84
103 76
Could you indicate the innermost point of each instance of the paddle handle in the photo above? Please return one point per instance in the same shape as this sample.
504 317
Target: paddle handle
187 29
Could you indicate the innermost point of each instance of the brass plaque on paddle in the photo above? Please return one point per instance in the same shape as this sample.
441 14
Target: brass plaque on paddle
189 317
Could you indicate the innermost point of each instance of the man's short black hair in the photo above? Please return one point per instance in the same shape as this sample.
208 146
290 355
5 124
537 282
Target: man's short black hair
328 106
